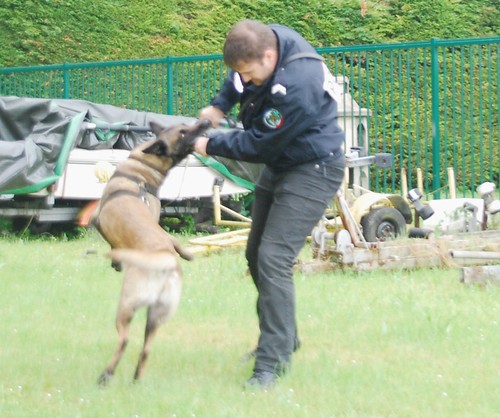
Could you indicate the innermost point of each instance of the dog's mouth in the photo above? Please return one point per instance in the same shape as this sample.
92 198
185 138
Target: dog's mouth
186 145
203 126
181 143
190 134
196 130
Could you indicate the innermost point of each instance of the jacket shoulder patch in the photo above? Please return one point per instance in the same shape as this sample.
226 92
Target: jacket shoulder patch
278 89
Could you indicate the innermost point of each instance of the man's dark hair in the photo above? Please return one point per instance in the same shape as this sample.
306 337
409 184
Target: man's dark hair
246 41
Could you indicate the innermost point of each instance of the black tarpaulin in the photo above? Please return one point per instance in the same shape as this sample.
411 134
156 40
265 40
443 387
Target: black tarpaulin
37 135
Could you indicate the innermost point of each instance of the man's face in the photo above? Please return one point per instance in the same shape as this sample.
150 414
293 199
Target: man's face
257 71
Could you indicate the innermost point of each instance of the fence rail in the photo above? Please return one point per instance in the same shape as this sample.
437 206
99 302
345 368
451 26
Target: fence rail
434 104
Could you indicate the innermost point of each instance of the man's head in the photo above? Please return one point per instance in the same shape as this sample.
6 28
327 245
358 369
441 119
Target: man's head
251 49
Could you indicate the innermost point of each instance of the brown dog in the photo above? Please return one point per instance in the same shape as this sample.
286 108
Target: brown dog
128 218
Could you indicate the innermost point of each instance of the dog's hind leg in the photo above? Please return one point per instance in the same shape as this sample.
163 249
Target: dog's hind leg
152 279
158 313
123 319
151 328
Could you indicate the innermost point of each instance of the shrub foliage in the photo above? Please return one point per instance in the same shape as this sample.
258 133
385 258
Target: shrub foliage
55 31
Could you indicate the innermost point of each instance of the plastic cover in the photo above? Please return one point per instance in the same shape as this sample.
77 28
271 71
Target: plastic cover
37 135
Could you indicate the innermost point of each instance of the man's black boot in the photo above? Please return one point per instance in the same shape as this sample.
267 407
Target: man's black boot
261 379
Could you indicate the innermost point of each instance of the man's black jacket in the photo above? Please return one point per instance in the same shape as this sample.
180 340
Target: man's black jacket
291 119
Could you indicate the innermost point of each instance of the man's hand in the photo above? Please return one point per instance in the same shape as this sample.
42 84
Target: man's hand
213 114
200 145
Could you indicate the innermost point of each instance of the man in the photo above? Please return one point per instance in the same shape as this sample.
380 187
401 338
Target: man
289 115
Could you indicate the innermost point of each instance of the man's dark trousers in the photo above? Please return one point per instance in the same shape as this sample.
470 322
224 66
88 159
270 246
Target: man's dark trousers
287 206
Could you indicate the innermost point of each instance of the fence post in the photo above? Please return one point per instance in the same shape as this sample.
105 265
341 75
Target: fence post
436 134
170 86
65 80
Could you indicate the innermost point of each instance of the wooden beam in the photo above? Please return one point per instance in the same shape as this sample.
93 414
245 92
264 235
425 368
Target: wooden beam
451 183
481 275
480 255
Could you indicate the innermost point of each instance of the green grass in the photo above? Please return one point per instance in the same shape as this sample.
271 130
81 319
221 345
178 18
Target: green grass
378 344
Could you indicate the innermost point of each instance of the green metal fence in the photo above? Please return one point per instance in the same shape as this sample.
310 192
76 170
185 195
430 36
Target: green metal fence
434 105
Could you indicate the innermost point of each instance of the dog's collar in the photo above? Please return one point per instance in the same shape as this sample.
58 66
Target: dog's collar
144 189
140 194
148 187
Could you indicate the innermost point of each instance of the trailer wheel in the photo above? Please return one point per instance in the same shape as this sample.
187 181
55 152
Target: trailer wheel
20 224
383 224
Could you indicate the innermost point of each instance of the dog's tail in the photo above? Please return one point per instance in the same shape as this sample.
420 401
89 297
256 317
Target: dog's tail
183 252
160 260
179 249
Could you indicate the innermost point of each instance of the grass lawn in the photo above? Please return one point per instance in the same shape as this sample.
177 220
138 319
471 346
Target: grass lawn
378 344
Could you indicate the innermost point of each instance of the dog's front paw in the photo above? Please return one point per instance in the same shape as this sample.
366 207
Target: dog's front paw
116 265
104 378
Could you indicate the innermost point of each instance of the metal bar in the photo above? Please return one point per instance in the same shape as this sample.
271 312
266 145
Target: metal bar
436 140
170 86
114 127
359 161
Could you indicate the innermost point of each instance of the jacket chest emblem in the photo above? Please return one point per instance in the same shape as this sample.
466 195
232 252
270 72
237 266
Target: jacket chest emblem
272 118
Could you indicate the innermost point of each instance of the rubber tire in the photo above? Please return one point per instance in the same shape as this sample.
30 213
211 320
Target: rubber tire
383 224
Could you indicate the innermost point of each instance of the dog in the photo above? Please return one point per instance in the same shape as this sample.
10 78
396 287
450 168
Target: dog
128 219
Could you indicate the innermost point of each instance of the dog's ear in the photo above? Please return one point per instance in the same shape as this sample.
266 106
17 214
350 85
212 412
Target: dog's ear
158 148
156 128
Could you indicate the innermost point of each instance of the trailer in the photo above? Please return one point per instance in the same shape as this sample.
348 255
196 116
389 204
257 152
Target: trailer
57 155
